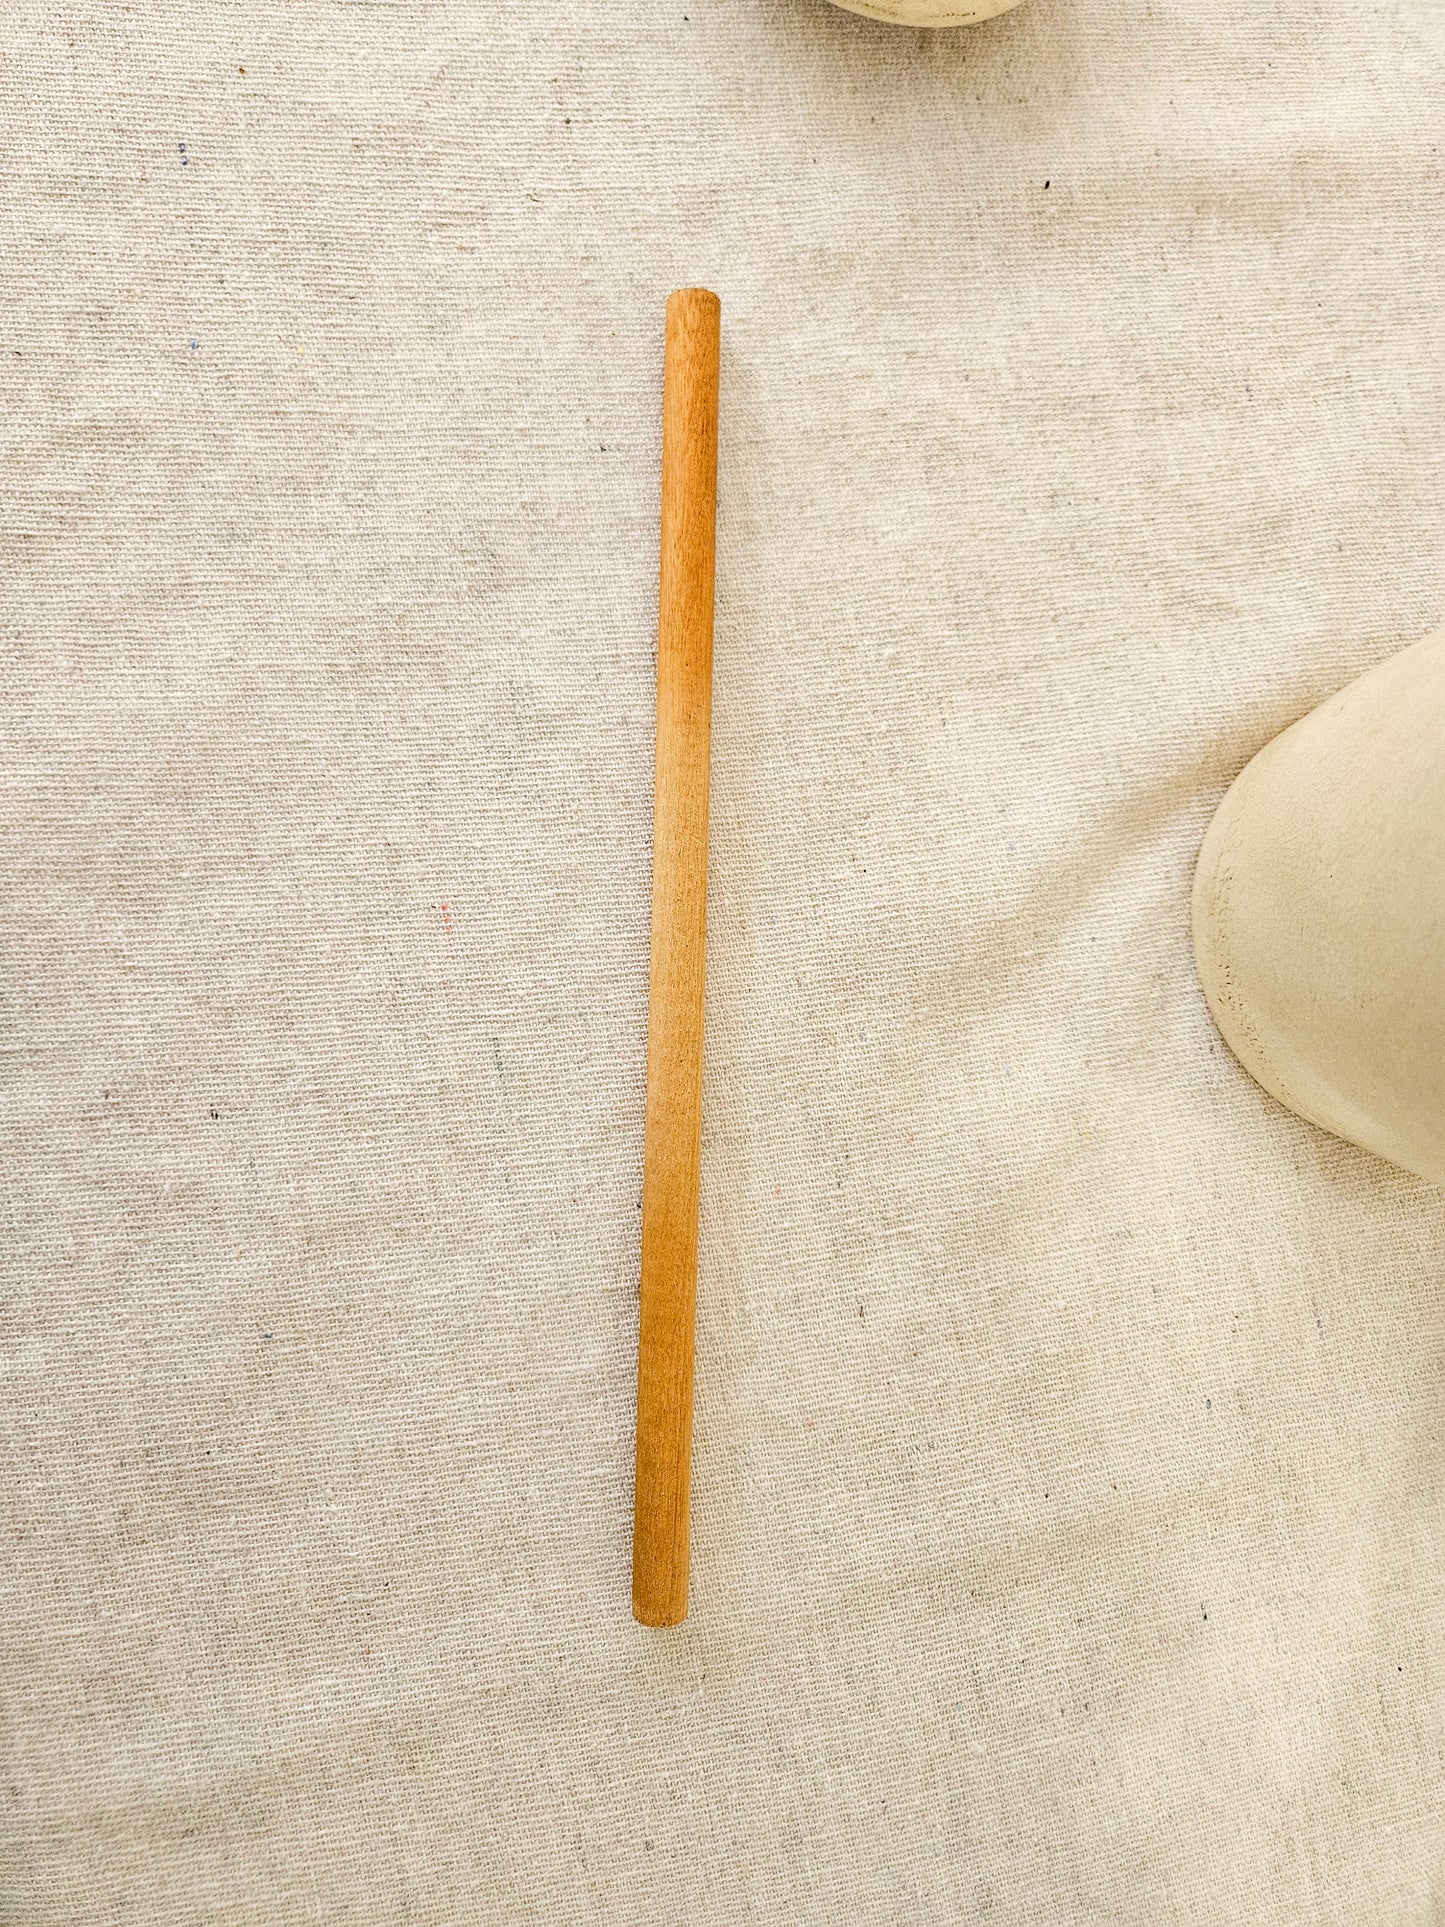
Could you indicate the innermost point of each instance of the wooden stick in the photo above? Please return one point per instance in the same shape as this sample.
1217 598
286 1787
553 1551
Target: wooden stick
673 1140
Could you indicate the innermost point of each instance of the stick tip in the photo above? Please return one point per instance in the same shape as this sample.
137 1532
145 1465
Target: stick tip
659 1588
647 1613
702 299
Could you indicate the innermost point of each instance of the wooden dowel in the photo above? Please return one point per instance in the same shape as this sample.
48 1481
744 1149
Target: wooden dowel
673 1140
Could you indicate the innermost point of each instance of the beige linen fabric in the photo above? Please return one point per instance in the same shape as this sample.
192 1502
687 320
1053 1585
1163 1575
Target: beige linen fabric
1068 1531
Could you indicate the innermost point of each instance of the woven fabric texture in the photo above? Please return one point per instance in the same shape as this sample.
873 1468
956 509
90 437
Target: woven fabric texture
1068 1484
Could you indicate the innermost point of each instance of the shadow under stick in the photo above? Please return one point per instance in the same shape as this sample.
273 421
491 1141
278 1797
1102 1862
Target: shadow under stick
679 934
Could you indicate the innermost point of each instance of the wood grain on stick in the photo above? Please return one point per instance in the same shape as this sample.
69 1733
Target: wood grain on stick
679 933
